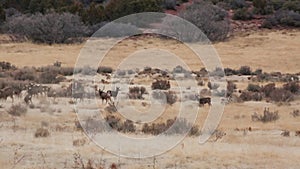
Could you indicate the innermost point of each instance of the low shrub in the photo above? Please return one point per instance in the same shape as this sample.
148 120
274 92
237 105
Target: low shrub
104 69
128 127
253 88
48 77
161 85
17 110
41 132
230 88
171 97
285 133
281 95
284 18
136 92
115 29
25 74
7 66
292 5
217 72
236 4
268 89
243 14
213 86
295 113
93 125
293 87
79 142
49 28
211 19
248 96
179 69
245 70
267 116
229 72
169 4
180 127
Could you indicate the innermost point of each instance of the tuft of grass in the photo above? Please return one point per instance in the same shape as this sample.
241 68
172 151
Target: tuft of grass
17 110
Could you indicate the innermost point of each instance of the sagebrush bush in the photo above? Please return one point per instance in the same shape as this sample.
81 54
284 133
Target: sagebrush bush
229 72
230 88
210 19
17 110
25 74
268 89
253 88
284 18
48 78
161 85
295 113
87 70
49 28
293 87
171 97
248 96
245 70
104 69
281 95
137 92
267 116
180 127
41 132
7 66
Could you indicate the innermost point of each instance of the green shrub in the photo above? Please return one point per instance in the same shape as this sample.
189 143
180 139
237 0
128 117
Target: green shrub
277 4
93 14
292 5
119 8
242 14
2 14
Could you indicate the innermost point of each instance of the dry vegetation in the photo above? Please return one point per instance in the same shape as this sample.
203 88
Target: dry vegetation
268 138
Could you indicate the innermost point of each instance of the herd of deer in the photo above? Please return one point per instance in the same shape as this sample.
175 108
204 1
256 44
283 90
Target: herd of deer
37 89
32 90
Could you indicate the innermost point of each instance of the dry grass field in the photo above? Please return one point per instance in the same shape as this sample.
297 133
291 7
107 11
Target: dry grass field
243 143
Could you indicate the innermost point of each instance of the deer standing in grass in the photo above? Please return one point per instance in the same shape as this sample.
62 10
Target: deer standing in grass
104 95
